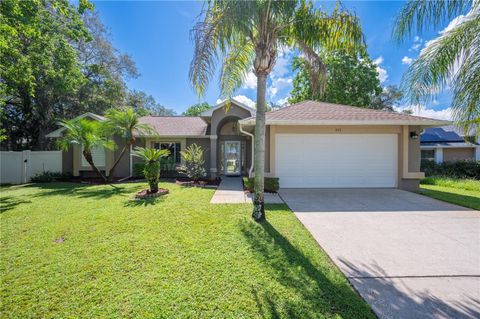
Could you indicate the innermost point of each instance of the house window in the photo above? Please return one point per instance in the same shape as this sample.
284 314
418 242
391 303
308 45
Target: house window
428 155
173 147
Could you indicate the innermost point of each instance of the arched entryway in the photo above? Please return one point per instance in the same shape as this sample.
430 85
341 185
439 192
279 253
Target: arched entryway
232 146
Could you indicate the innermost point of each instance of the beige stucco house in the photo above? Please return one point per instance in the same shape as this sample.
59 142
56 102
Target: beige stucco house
308 145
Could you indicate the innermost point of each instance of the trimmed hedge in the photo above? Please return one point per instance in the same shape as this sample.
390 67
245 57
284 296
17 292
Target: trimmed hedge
271 184
460 169
50 177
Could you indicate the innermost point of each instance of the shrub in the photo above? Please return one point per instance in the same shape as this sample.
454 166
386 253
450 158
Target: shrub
271 184
49 177
151 169
194 162
460 169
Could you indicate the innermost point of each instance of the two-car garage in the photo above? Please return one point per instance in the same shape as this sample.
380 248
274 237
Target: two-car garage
336 160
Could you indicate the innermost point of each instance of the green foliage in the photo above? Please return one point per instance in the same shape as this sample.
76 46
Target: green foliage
145 104
450 61
387 99
193 162
151 169
351 80
197 109
459 183
154 251
50 177
459 169
271 184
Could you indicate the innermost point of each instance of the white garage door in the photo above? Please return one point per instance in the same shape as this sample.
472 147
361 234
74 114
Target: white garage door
336 160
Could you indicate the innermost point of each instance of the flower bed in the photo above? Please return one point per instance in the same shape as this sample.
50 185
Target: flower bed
145 193
200 183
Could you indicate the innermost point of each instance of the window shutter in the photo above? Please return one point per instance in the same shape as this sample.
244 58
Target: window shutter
98 156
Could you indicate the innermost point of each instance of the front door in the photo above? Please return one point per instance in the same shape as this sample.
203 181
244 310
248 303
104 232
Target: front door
232 158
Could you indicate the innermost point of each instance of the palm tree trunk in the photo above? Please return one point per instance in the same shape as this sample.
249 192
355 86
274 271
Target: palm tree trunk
112 170
259 163
88 157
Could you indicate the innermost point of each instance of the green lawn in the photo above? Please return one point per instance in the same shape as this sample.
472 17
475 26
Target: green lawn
77 251
464 192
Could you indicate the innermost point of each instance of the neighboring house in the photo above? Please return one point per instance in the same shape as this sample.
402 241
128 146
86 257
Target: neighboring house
449 144
308 145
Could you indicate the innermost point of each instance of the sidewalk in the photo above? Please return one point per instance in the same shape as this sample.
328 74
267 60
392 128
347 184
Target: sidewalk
230 191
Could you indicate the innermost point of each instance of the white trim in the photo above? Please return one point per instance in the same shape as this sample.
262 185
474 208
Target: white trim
420 122
433 147
439 155
57 132
209 112
477 153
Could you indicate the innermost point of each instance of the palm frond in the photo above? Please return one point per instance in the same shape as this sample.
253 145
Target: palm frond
238 61
446 61
419 15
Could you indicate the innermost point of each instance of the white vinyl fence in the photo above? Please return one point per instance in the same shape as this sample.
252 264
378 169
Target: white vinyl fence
19 167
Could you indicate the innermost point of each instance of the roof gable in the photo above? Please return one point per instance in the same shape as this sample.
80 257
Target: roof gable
209 112
93 116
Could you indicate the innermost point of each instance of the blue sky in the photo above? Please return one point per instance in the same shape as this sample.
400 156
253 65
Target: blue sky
157 36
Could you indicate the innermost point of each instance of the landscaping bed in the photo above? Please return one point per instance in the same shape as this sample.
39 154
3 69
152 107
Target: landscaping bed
203 182
144 194
271 184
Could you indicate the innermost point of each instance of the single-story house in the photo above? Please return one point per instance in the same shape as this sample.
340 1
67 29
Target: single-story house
308 145
449 144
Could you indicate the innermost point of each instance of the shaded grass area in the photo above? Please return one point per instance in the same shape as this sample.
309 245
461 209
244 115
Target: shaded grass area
70 250
463 192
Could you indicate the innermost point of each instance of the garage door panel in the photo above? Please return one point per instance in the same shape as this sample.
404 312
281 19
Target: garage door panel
336 160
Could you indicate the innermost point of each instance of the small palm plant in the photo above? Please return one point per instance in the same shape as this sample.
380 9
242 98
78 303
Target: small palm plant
151 170
88 134
125 123
194 162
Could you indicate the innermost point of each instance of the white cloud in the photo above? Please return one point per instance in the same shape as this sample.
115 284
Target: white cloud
278 84
417 44
284 101
407 60
242 99
250 81
445 114
382 73
455 22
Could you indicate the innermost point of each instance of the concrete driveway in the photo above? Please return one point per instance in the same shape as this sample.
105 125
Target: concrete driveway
409 256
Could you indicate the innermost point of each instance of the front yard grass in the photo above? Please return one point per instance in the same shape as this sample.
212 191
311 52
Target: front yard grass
463 192
78 251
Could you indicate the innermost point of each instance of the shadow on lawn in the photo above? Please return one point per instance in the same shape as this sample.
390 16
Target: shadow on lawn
292 269
459 199
143 202
10 202
383 292
82 190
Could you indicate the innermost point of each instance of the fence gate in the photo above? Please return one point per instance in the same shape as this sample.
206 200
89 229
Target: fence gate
19 167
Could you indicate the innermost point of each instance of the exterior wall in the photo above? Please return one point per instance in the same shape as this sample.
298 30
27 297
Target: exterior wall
458 154
67 161
204 143
408 175
78 168
123 167
219 115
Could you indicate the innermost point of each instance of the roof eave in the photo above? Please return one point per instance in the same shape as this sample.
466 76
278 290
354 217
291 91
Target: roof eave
424 123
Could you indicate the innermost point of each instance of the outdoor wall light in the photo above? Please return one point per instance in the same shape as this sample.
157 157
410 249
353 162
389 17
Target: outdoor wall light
414 135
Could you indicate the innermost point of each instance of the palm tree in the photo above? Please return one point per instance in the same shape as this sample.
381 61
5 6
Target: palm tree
450 60
247 35
88 134
125 123
151 170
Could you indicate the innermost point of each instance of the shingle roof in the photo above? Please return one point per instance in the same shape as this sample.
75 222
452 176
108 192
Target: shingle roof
177 125
313 112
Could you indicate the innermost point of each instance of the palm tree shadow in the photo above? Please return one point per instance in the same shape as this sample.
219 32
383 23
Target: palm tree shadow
293 269
388 299
10 202
143 202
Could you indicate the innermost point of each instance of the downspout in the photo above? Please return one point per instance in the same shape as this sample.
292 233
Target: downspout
250 171
130 168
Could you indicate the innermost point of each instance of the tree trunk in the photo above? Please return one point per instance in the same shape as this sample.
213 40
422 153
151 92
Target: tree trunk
88 157
112 170
259 163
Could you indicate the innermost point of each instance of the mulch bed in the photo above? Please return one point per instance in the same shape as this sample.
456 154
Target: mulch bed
145 193
200 183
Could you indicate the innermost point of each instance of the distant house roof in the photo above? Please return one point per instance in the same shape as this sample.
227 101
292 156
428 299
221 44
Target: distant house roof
177 125
445 135
321 113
